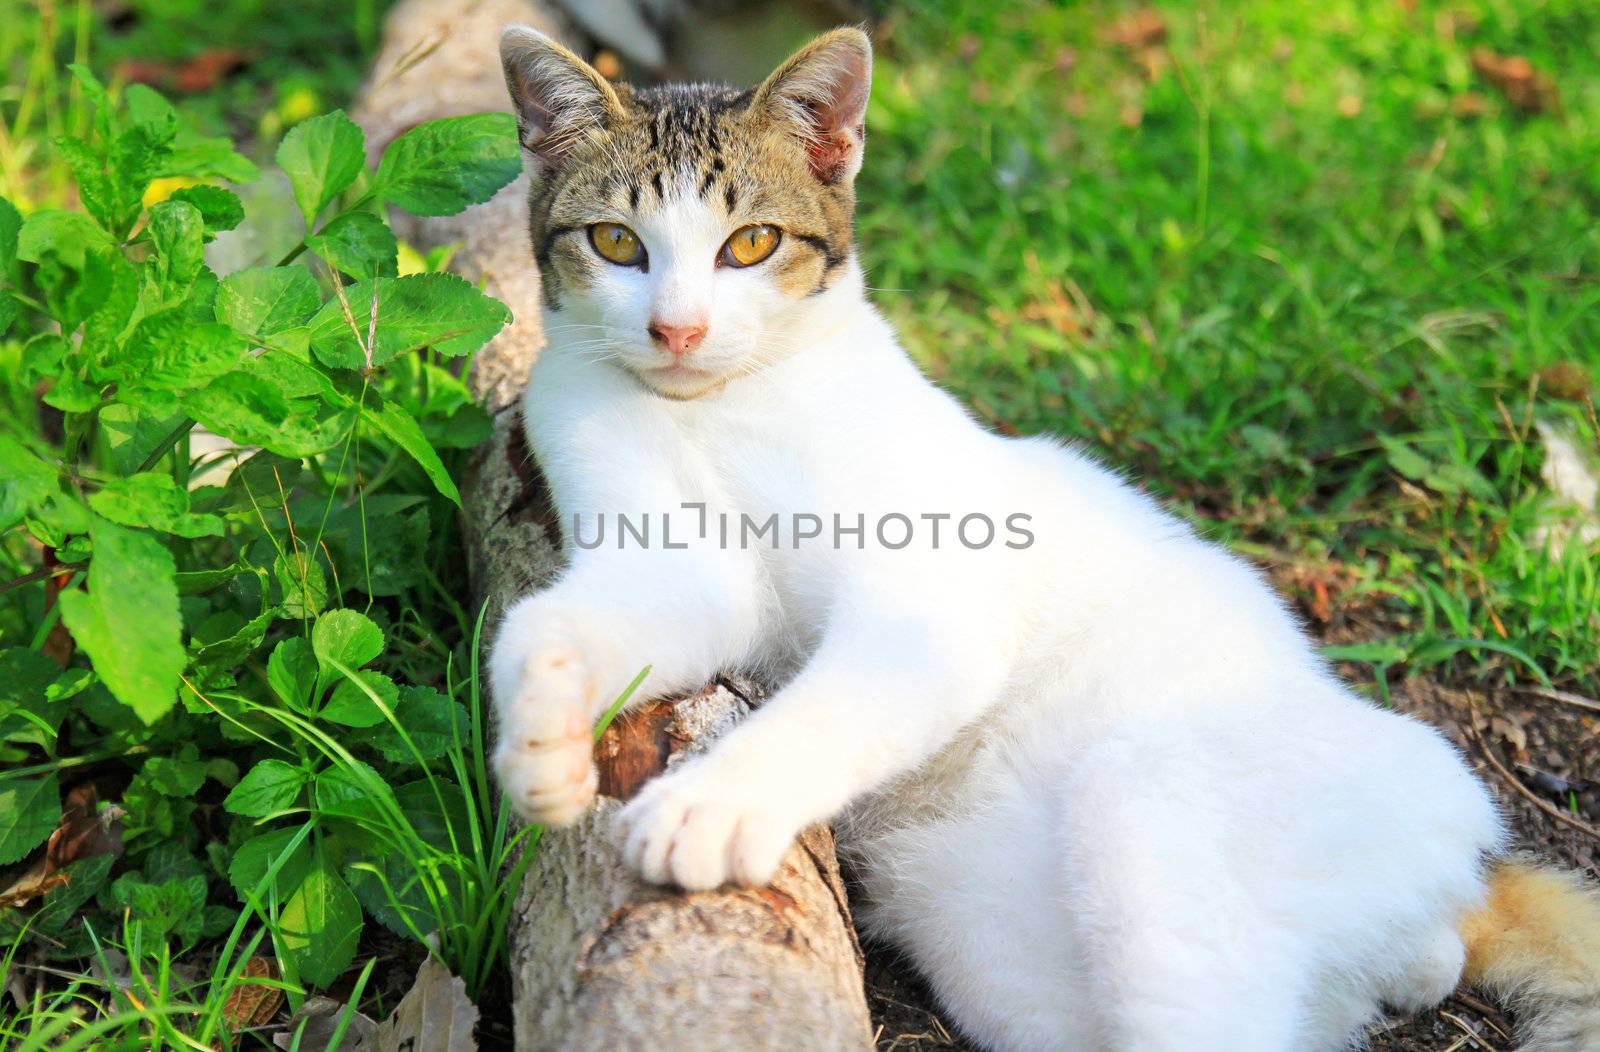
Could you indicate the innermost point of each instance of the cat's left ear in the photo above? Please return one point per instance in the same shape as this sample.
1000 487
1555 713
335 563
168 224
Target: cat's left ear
820 96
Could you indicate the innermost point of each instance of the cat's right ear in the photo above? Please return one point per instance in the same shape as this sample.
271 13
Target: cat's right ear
559 97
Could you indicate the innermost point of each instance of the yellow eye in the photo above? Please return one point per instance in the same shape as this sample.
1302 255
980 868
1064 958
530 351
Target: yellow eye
750 245
617 243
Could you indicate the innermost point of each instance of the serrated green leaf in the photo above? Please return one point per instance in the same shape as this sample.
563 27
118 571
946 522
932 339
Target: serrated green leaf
62 904
30 810
28 712
292 673
55 521
346 637
151 498
146 108
433 721
389 546
177 231
42 356
440 167
180 775
322 156
251 411
197 157
99 192
256 855
440 311
74 257
72 395
171 908
25 481
228 651
220 209
395 424
71 235
320 926
358 244
267 788
352 706
263 301
128 621
108 324
168 352
355 792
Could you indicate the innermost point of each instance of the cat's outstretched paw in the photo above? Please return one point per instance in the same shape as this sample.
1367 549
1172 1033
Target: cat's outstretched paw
692 827
545 756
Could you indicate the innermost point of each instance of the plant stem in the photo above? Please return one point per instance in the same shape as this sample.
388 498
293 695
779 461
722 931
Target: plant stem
27 579
167 442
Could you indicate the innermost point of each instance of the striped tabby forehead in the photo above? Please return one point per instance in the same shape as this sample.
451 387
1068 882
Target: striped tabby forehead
682 142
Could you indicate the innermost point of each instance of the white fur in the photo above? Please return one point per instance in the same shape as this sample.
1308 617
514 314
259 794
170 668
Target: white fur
1101 788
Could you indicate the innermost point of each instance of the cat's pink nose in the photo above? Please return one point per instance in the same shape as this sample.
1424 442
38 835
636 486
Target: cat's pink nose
679 339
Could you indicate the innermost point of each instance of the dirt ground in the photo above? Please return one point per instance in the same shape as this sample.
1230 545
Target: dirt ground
1549 744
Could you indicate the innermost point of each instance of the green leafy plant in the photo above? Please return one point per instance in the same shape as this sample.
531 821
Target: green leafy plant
251 637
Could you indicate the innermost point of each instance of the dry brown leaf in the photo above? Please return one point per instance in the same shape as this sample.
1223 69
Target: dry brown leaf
1524 87
320 1018
1509 729
202 72
1144 28
1567 380
85 831
434 1015
1469 104
252 1004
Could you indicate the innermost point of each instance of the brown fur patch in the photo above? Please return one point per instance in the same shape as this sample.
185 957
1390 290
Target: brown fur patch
706 140
1537 937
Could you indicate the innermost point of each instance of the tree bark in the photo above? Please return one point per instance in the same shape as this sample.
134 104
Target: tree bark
601 960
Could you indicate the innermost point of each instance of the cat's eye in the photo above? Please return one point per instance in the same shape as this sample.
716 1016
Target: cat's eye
749 245
617 244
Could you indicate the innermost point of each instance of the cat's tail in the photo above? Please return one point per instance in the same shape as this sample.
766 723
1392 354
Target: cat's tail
1535 943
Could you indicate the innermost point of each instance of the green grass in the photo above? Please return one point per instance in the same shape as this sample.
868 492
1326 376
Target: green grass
1282 281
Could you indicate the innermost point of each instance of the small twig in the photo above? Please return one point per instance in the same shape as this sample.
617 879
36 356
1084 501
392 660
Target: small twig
1490 1013
28 578
1469 1033
1542 804
1563 696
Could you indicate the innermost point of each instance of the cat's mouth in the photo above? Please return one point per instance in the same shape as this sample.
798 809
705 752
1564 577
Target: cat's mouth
681 380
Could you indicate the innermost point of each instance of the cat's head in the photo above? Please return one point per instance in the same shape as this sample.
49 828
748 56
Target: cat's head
692 232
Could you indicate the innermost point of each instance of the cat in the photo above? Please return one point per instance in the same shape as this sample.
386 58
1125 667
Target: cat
1098 784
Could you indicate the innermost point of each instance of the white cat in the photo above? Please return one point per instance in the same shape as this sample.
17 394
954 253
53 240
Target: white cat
1101 788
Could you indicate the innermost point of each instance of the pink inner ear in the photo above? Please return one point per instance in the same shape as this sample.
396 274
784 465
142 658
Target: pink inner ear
829 152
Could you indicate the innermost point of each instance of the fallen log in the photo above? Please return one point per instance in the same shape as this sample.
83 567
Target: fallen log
599 959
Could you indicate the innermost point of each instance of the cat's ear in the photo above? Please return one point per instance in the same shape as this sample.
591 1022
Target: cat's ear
820 96
558 96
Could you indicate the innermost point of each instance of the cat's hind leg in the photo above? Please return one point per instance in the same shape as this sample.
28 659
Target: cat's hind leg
1180 955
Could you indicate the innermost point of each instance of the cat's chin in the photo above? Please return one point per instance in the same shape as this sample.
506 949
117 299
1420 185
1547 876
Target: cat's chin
680 382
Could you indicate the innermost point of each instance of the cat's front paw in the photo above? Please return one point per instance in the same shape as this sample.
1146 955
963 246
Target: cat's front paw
545 755
696 828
